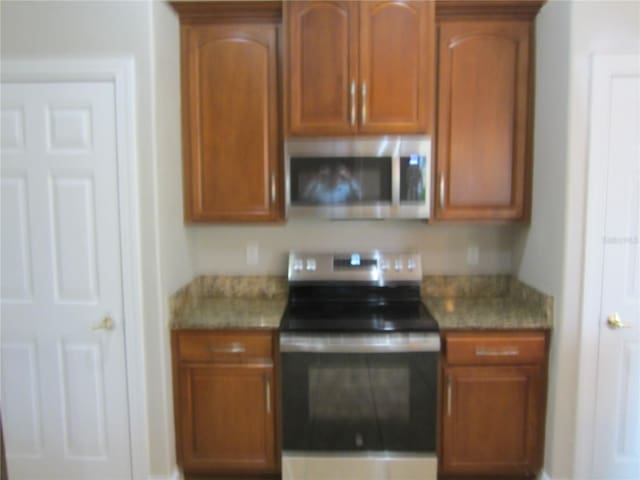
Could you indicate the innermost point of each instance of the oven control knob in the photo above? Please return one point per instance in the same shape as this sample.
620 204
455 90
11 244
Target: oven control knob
311 264
297 265
411 264
397 265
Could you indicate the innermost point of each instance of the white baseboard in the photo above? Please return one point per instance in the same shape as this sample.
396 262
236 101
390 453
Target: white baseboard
175 475
544 476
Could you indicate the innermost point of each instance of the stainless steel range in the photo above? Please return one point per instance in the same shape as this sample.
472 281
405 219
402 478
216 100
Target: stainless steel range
359 356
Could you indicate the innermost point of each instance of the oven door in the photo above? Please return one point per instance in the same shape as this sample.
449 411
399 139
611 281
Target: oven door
368 399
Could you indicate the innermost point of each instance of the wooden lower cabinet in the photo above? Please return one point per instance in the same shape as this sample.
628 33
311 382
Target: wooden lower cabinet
493 405
225 405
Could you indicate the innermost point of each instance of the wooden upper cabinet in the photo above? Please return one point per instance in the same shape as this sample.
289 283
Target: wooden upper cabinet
322 46
483 152
230 122
359 67
396 65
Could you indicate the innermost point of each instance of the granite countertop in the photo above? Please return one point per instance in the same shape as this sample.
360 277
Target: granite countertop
211 313
490 302
488 313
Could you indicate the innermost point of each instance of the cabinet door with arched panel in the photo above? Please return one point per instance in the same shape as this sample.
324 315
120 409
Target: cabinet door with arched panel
231 136
396 66
484 106
322 38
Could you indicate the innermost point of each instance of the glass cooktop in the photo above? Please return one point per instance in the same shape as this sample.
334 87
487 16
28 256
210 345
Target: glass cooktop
358 317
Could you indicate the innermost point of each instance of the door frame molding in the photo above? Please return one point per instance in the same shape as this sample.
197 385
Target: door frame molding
119 72
603 68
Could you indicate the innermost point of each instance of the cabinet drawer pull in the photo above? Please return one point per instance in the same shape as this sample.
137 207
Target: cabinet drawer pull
235 347
448 395
363 111
352 97
497 352
267 392
442 191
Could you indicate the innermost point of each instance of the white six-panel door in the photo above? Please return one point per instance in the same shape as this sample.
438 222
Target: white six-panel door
615 150
64 398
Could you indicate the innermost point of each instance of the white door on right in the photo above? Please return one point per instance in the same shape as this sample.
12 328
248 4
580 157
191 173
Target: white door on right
616 96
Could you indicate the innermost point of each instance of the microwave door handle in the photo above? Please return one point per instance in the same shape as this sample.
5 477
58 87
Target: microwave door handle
395 181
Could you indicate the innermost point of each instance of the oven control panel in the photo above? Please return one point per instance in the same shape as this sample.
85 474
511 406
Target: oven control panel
375 267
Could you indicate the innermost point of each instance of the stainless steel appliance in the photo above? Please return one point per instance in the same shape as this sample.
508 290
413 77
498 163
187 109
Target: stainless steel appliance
359 356
359 177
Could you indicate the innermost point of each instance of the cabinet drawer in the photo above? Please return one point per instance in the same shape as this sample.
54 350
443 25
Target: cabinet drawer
224 347
495 349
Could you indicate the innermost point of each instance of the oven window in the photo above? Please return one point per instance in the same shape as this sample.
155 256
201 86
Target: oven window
360 394
340 180
359 402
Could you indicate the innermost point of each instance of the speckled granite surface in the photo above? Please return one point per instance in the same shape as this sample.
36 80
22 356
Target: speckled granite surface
457 302
218 301
231 313
512 305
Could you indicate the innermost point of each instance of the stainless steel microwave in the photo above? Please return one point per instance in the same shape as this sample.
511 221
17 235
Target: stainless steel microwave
359 177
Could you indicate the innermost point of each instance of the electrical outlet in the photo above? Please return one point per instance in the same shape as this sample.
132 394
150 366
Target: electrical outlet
473 255
252 253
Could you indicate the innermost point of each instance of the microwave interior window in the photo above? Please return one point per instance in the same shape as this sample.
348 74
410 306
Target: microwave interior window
340 180
412 174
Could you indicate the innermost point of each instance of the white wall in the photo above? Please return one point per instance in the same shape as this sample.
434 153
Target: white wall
540 250
222 249
549 254
174 242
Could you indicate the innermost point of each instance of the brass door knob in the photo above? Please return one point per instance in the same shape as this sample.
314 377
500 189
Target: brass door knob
614 321
105 324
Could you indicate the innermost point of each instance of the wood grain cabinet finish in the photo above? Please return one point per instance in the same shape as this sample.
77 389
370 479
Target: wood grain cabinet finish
225 403
493 405
484 119
396 65
322 53
359 67
231 138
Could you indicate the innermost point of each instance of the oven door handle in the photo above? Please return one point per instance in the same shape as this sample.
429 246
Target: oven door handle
360 343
